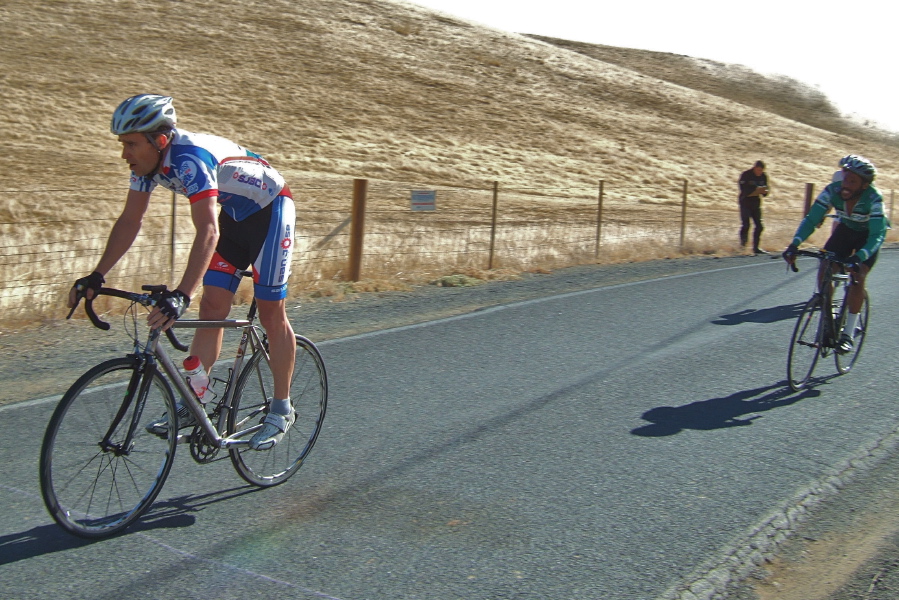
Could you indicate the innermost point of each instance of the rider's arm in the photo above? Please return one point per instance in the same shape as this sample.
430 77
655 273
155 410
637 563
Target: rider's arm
203 213
125 230
205 218
877 231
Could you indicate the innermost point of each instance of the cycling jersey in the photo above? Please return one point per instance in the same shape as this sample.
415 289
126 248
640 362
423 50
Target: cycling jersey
257 218
866 217
200 165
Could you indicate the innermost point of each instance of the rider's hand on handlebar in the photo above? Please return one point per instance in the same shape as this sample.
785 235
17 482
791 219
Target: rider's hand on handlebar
170 307
854 263
86 287
789 254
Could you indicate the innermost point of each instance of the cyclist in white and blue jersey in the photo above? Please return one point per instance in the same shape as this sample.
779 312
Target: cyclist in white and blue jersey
254 226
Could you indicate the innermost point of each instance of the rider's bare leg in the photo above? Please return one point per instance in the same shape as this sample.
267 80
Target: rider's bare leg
282 343
214 306
857 291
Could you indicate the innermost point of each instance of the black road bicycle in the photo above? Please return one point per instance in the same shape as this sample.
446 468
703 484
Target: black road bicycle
101 469
818 328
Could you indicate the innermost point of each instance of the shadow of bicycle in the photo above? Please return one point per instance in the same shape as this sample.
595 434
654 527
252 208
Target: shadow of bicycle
172 513
720 413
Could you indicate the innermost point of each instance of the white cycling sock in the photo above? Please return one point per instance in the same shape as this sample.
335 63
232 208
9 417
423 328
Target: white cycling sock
851 320
281 407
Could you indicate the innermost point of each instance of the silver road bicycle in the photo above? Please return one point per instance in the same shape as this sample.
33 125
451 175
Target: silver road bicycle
101 469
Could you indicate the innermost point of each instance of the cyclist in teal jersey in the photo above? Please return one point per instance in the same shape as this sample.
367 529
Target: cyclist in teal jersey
859 234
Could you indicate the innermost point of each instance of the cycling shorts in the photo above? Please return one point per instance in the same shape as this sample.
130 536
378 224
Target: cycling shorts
844 242
264 240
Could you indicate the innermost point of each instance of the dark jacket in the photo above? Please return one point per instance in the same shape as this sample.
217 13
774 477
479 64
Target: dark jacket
749 181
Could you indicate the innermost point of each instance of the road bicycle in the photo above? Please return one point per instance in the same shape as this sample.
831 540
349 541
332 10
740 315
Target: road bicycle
818 328
101 468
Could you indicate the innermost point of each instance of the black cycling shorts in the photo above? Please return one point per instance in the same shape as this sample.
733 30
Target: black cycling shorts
845 242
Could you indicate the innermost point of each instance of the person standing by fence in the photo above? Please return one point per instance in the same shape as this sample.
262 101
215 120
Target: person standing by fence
753 186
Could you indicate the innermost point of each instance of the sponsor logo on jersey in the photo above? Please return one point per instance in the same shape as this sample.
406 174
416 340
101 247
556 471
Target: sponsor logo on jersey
256 182
188 170
285 243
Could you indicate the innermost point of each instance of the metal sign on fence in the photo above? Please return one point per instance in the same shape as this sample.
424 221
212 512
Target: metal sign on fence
424 200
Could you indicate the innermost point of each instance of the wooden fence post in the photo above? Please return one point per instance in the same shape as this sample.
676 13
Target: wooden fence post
683 217
809 193
493 224
357 229
599 219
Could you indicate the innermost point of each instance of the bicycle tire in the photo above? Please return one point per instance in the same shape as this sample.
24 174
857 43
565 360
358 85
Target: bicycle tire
309 397
805 345
846 361
95 493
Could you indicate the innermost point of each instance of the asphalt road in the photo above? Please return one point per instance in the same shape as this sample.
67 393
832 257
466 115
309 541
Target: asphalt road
627 441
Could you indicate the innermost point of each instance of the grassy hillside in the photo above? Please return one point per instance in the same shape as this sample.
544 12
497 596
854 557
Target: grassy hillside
376 89
780 95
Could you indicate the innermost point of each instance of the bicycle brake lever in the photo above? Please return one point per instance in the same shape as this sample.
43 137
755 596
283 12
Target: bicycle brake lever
72 312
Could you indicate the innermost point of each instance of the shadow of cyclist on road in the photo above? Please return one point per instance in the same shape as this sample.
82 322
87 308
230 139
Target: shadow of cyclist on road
719 413
171 513
773 314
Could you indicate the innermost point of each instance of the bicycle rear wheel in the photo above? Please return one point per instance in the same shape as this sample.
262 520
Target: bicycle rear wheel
309 396
805 345
847 360
92 491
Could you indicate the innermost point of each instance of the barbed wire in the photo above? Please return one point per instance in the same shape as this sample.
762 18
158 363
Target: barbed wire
46 261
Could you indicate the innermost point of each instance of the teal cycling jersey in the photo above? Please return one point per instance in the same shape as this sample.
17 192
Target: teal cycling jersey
866 217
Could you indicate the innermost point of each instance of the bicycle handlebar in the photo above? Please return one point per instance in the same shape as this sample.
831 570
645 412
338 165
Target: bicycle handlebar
820 255
143 299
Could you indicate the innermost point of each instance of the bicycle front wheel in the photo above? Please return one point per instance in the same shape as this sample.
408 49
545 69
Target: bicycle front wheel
309 397
847 360
93 481
805 345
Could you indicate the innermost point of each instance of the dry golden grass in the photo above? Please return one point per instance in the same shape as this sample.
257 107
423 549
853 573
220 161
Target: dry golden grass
338 89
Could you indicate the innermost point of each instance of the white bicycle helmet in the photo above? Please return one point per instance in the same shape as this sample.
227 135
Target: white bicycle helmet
859 165
144 113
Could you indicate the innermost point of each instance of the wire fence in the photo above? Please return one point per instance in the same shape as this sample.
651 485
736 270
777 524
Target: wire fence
492 227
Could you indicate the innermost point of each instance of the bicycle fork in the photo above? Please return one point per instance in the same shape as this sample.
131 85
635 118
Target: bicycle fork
140 381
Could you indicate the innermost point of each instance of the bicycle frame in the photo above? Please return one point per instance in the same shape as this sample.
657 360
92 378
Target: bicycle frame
251 338
154 356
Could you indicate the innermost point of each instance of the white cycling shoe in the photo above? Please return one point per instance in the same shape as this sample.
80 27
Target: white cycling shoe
274 427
